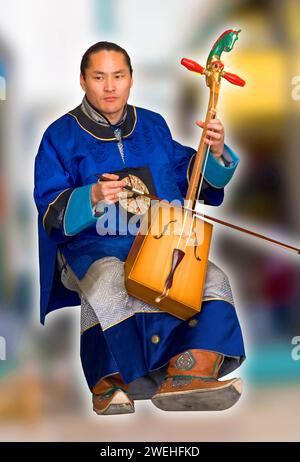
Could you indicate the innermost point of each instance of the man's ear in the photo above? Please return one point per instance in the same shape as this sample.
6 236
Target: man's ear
131 82
82 82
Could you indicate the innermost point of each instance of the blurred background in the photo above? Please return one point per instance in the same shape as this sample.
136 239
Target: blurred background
43 394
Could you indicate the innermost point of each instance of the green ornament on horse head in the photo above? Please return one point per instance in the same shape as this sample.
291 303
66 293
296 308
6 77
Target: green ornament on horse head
224 43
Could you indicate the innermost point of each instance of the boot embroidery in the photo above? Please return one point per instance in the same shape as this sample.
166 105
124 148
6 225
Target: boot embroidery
179 382
185 361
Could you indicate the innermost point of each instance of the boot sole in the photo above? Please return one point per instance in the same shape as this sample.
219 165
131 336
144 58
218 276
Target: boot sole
217 399
119 404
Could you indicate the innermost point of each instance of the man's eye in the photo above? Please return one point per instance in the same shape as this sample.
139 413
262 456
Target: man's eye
99 77
119 76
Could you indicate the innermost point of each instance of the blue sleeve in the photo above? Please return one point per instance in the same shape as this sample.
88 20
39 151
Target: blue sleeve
79 212
184 157
55 194
217 173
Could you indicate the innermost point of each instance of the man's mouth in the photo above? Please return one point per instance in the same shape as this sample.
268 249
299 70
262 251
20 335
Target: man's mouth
110 98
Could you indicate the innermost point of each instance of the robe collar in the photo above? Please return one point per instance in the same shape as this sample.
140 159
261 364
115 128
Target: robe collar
95 123
97 116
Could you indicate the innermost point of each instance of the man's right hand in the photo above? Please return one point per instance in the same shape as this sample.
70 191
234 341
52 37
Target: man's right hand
107 191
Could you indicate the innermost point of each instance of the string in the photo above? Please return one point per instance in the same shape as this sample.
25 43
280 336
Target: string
213 109
201 180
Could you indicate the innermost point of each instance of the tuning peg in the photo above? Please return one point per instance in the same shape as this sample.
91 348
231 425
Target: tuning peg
233 78
192 65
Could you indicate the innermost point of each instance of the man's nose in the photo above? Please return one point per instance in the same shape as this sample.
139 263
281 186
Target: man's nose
109 84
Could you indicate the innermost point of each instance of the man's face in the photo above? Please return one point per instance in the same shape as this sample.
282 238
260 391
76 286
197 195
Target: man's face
107 83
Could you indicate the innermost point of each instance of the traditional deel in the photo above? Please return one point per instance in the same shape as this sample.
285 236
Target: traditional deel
74 151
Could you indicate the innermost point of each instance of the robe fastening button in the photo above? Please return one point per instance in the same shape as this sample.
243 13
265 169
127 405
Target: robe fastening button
193 322
155 339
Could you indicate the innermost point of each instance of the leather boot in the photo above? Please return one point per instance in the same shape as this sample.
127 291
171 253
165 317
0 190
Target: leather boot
191 384
110 397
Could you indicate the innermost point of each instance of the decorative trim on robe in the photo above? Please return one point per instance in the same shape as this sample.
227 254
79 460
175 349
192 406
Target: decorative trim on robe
70 212
54 215
102 132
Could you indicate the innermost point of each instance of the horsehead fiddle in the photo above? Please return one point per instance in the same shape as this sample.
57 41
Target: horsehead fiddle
166 265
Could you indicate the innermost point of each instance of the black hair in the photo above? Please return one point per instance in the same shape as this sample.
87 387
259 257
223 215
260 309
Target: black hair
109 46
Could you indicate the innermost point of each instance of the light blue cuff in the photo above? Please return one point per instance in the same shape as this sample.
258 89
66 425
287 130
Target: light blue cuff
79 212
218 175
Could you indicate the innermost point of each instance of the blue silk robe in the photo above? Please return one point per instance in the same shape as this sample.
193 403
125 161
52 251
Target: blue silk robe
73 150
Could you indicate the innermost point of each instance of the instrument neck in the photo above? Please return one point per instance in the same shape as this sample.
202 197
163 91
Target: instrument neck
202 153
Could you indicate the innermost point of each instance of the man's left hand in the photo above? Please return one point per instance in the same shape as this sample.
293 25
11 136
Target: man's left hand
214 136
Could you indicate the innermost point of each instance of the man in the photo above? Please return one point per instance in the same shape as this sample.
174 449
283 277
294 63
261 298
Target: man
129 349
